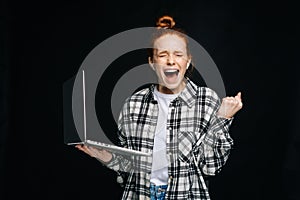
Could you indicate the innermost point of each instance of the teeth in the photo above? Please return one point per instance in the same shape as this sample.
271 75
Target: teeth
171 70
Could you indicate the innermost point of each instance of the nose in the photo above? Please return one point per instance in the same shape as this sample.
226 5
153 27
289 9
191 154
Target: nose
171 60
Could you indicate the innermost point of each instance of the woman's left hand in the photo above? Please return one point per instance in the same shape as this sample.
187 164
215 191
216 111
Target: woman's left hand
230 106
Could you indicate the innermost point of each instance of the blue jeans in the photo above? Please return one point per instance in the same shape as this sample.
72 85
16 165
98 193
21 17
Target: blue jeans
158 192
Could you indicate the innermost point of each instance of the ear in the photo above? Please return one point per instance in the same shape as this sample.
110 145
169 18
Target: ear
151 63
188 64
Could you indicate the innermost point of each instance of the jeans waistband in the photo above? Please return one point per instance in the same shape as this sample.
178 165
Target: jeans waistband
159 188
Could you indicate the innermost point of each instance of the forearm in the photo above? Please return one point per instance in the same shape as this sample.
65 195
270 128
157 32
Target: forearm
216 146
118 163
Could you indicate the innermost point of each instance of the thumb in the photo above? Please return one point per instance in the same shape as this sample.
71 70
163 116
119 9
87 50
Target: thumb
239 96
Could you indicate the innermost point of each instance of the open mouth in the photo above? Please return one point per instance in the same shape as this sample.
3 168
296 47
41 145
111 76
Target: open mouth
171 73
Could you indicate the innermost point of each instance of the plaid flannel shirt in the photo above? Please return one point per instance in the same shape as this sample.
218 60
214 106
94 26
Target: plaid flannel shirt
198 142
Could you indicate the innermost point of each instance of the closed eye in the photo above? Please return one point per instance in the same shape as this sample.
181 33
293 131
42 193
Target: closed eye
162 55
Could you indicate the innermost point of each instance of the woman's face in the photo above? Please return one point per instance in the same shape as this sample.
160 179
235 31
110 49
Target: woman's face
170 62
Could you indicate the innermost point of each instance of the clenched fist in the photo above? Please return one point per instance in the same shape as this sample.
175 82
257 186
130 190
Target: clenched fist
230 106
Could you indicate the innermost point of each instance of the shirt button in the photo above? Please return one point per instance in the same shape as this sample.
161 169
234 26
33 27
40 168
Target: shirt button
169 128
170 179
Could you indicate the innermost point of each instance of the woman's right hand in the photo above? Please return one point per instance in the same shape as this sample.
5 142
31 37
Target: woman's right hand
102 154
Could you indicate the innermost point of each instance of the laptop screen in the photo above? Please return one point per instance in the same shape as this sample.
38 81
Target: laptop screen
71 135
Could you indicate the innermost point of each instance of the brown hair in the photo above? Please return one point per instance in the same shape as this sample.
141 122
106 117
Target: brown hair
166 25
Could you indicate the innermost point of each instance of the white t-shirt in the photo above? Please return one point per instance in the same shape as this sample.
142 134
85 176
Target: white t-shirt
159 173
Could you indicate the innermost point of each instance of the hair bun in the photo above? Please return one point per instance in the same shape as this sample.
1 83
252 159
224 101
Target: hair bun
165 22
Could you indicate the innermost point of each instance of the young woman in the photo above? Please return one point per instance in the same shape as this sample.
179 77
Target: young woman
185 126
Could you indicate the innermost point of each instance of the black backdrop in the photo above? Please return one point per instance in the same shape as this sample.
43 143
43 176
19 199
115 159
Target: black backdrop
43 44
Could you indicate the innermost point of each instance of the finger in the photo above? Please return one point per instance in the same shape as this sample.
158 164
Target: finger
93 148
227 100
86 149
232 100
79 146
239 101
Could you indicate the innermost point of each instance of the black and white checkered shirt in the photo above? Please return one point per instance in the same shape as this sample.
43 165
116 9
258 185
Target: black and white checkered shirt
198 142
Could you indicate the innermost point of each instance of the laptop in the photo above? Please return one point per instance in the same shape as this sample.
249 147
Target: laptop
71 135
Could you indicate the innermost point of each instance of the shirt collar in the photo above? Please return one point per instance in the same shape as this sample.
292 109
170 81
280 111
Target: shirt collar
188 94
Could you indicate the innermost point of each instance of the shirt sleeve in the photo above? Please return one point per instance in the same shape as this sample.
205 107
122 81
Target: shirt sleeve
217 143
